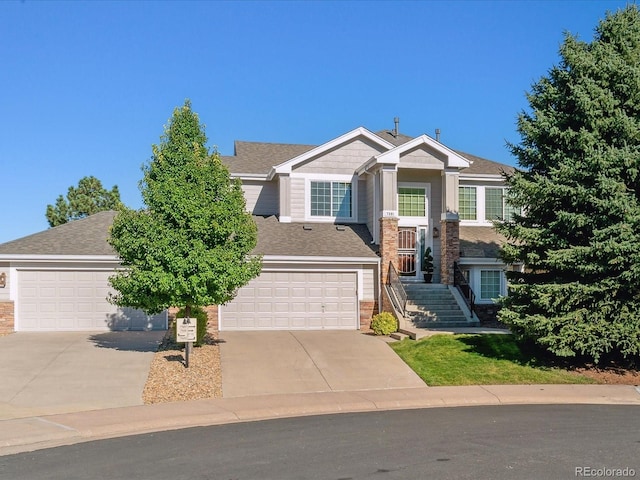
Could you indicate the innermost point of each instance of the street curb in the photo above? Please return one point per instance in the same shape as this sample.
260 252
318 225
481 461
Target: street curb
34 433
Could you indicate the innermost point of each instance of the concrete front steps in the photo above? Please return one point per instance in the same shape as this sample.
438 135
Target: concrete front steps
433 305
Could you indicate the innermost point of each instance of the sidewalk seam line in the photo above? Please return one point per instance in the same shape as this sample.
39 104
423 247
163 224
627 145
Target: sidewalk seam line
56 424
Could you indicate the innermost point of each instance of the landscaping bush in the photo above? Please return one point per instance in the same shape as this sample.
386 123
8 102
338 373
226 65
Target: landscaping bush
384 323
201 315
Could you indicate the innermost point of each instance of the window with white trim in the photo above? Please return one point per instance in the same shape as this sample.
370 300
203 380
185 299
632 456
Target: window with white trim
411 202
490 284
331 199
467 201
496 206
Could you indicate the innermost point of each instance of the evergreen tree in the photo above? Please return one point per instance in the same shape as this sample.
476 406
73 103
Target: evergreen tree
190 246
579 188
88 198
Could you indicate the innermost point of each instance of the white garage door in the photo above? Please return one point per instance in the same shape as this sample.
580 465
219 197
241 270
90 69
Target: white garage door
294 301
57 300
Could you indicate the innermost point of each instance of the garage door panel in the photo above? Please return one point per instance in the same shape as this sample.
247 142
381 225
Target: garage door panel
70 300
294 300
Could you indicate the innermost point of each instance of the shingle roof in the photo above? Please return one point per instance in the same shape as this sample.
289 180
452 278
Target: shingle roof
87 236
480 242
313 239
482 166
259 157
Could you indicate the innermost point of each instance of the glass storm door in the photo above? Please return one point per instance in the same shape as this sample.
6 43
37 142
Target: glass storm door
407 253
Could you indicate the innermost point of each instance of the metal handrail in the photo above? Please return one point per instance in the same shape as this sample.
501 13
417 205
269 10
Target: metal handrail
461 283
393 281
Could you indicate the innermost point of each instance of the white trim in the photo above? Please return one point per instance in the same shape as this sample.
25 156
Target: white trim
293 259
286 167
481 219
481 176
284 219
453 159
22 257
351 179
250 176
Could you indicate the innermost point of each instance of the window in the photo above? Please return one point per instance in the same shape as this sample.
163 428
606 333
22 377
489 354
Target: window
467 202
493 204
496 207
490 284
411 202
331 199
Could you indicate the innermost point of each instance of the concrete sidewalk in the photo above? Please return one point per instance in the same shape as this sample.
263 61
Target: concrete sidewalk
28 434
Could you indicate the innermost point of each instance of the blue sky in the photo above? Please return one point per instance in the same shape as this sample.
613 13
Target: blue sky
86 87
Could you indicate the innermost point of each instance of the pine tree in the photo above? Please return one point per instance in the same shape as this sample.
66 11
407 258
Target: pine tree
87 198
191 245
579 189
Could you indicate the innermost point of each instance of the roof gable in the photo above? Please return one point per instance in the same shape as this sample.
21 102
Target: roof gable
285 167
451 159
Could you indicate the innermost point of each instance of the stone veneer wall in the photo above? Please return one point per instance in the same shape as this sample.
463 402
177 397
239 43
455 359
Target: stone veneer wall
449 249
368 309
7 317
488 315
388 253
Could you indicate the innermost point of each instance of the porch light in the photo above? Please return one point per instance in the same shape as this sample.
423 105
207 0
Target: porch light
436 232
3 280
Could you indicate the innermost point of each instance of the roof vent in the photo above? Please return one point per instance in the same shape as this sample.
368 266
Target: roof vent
437 134
396 122
341 228
307 227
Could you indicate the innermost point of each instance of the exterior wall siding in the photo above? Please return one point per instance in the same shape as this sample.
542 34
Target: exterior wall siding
261 197
297 199
362 201
421 158
343 160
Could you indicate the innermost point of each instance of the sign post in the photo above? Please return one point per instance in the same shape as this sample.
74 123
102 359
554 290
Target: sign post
186 332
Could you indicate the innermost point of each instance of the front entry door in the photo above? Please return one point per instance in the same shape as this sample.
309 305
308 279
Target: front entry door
407 251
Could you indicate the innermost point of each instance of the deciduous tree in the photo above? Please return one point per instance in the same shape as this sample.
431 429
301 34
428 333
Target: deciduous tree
579 186
191 244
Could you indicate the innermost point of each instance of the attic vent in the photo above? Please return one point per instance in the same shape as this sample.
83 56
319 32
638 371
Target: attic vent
307 227
340 228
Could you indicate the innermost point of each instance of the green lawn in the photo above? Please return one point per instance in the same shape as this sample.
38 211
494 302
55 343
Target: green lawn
478 360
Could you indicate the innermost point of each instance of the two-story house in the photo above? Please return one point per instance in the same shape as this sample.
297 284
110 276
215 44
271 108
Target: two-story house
332 221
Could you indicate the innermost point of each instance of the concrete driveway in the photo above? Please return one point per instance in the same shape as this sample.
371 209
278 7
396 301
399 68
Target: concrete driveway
258 363
63 372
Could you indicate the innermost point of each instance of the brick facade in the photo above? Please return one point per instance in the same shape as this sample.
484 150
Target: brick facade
449 249
7 317
367 310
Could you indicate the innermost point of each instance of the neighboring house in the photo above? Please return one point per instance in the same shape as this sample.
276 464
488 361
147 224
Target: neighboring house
331 219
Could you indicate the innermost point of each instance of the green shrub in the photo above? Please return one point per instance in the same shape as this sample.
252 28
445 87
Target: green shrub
201 315
384 323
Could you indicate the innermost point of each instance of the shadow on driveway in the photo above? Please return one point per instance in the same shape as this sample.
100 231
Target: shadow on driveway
128 341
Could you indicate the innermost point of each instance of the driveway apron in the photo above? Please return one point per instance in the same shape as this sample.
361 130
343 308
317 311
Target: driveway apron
63 372
259 363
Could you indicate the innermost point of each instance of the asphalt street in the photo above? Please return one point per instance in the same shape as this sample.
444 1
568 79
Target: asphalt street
488 442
